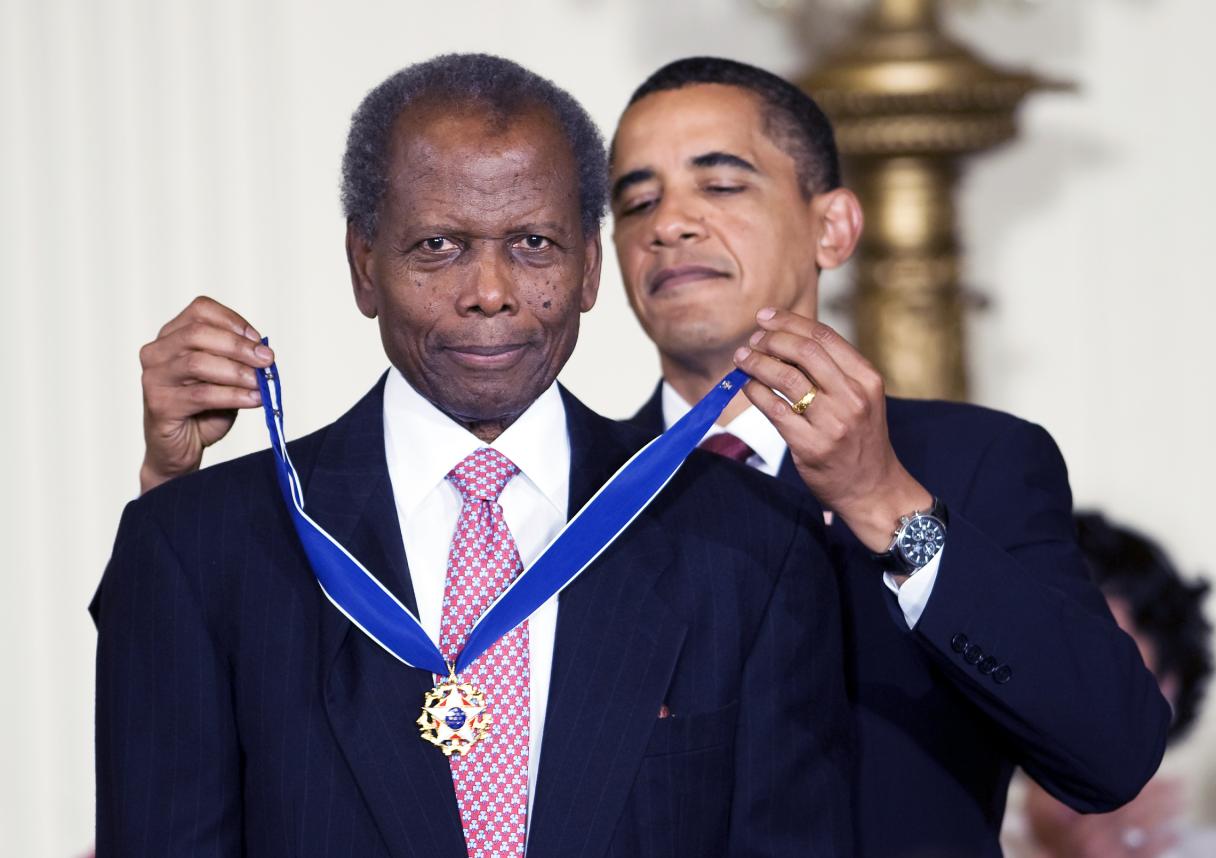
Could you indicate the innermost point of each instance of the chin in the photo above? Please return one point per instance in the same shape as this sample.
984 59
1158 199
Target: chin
692 339
491 405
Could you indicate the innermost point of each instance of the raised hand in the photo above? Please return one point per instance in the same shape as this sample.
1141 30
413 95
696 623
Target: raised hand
839 443
197 373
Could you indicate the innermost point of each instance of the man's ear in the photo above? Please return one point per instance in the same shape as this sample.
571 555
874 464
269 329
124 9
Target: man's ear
840 222
592 262
362 279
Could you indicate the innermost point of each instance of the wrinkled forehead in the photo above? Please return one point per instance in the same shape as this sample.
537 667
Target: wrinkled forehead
676 125
456 160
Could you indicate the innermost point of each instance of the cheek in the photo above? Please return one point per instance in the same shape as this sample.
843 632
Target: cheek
751 247
410 311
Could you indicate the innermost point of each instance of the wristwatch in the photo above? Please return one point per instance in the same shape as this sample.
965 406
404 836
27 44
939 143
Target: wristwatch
916 541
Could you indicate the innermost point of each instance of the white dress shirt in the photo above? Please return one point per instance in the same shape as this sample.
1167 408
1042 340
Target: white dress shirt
422 444
755 430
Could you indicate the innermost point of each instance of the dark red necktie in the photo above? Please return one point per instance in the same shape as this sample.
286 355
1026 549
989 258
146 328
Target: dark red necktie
728 445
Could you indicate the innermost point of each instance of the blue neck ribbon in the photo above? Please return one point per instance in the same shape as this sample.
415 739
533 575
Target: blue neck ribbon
368 604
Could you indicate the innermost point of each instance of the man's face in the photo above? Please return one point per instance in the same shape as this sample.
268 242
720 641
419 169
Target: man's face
711 223
480 268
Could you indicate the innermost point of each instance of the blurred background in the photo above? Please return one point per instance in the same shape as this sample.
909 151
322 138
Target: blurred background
153 150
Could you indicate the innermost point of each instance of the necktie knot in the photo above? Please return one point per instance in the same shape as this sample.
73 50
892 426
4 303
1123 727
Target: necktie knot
482 475
728 445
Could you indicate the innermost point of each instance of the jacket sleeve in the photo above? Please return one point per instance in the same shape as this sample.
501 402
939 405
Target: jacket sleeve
168 779
1020 628
794 738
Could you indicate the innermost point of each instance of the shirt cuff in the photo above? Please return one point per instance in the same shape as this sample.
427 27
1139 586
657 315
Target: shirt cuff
914 594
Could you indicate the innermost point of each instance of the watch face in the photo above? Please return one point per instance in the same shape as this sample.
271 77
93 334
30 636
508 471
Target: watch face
921 540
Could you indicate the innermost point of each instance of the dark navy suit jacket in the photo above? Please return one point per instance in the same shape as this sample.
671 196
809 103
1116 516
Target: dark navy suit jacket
1015 661
238 713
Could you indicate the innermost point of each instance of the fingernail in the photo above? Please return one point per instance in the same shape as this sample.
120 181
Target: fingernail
766 314
263 353
756 337
741 354
255 397
252 334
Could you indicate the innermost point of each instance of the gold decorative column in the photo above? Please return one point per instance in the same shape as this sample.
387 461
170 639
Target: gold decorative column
908 104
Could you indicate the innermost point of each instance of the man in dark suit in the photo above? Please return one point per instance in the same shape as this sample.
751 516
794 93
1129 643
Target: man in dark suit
976 642
994 651
686 699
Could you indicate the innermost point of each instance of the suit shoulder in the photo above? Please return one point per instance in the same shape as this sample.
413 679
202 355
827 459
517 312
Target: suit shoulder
713 472
223 482
959 423
730 502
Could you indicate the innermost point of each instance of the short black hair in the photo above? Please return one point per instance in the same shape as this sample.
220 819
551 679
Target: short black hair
792 119
1165 609
506 89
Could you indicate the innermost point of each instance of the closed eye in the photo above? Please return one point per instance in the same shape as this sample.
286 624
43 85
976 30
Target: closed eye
637 206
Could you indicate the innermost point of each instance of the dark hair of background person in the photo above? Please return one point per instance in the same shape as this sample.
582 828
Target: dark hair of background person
504 89
1166 609
792 119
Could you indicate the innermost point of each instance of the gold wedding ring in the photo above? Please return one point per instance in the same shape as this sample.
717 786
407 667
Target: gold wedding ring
804 403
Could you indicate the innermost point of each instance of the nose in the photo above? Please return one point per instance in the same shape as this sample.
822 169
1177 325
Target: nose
675 223
491 287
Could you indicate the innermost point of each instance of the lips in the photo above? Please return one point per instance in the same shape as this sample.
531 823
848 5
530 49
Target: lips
481 356
668 278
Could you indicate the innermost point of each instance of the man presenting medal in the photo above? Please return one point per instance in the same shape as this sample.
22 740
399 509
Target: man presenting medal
686 699
976 640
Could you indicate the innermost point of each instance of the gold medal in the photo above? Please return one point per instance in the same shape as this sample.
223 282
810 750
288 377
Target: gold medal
454 716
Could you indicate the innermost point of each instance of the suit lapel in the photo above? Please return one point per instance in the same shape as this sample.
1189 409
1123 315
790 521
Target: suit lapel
616 647
370 697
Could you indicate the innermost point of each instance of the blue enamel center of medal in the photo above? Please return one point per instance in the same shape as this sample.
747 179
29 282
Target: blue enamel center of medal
455 718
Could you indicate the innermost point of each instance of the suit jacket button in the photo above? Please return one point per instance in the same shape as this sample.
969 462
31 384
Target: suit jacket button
1002 674
958 642
972 654
987 665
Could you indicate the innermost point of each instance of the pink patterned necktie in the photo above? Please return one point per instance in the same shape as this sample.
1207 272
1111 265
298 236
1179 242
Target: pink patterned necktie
491 780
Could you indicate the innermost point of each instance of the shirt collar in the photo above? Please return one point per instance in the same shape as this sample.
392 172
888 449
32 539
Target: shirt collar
751 427
425 443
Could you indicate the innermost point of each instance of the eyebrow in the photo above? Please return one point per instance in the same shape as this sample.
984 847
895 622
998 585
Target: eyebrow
723 159
701 162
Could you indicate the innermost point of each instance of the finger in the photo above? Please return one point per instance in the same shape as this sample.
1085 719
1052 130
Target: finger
204 309
197 367
784 378
799 434
205 337
170 404
816 364
841 350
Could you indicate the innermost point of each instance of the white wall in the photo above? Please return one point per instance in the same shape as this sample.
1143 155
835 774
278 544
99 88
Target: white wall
151 151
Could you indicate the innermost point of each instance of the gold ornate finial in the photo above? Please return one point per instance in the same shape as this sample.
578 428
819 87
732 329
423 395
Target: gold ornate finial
908 104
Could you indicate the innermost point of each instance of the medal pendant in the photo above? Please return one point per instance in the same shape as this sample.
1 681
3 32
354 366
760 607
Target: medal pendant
454 716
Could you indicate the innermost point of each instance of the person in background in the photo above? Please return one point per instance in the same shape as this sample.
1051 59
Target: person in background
1164 615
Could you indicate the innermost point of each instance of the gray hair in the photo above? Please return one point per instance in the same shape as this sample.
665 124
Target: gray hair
507 89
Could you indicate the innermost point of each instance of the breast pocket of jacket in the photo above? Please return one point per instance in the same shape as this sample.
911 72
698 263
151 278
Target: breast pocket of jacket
682 796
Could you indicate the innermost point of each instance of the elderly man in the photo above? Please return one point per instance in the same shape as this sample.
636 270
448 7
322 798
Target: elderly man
685 697
975 642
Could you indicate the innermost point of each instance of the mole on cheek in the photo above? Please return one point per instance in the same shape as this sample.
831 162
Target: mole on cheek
547 304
